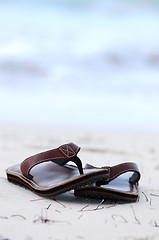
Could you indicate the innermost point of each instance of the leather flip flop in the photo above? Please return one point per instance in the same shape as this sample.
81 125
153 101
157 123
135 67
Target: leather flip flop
121 184
47 173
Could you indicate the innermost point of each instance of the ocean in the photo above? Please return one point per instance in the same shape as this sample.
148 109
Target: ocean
91 64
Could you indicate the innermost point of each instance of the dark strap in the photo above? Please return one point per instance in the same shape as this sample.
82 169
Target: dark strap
123 168
61 156
118 170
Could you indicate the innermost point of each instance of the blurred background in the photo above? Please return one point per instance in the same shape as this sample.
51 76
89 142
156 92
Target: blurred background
83 63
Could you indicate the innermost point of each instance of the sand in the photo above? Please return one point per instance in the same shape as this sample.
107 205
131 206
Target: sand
26 216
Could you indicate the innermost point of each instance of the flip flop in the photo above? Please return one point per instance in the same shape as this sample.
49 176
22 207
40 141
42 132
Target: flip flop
47 173
121 184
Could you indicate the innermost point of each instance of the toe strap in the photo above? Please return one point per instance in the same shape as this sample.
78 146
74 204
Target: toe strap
118 170
61 155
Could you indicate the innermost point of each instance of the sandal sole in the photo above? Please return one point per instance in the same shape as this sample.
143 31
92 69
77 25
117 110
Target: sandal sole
81 181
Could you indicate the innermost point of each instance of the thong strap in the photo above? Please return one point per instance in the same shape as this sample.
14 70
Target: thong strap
118 170
61 155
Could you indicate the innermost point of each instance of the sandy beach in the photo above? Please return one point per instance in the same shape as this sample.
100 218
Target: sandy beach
88 66
26 216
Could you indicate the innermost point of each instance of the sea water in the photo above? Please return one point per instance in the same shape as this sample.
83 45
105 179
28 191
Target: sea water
80 63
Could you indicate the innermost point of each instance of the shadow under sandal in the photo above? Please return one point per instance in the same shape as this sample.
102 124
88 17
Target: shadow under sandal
121 184
48 173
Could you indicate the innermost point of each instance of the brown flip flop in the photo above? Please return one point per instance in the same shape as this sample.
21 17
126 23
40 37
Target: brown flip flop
47 173
121 184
